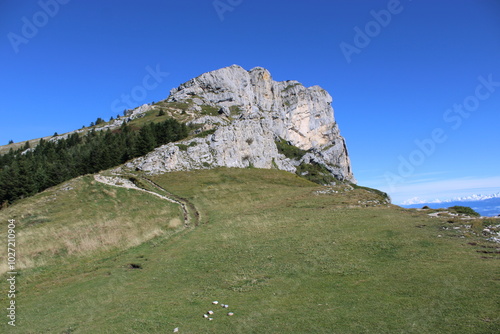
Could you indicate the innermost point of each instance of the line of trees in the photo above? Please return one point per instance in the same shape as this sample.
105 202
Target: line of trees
28 171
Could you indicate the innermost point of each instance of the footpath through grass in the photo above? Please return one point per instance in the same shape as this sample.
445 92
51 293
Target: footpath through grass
284 258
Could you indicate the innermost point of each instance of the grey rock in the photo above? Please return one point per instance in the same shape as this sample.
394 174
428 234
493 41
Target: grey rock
255 112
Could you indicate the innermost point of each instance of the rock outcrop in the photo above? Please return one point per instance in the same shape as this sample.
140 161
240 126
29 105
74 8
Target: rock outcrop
246 113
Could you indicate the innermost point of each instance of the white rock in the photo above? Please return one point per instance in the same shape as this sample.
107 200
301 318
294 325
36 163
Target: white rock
262 110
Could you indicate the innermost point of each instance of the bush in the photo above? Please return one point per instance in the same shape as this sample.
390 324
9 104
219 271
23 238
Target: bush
205 133
464 210
290 151
316 173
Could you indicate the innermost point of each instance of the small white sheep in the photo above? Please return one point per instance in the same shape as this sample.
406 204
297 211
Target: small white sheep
210 312
215 302
230 314
205 316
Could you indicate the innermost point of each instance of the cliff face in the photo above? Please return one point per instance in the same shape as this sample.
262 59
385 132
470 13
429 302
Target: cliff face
249 112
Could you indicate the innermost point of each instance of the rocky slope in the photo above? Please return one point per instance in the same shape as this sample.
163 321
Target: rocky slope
240 116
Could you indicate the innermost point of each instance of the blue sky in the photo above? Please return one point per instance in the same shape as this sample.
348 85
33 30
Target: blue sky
416 84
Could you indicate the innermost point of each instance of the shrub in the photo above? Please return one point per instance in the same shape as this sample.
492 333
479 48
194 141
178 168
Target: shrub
289 150
316 173
464 210
205 133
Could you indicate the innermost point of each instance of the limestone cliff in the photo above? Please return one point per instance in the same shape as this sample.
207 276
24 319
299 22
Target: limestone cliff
247 113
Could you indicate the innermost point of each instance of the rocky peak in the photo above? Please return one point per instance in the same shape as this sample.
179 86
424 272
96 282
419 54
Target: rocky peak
253 108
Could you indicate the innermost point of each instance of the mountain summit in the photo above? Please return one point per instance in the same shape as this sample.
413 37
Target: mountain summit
246 119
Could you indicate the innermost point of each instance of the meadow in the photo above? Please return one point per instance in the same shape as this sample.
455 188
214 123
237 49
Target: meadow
286 255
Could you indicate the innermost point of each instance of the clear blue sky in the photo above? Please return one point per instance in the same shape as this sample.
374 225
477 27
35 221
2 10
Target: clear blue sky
398 71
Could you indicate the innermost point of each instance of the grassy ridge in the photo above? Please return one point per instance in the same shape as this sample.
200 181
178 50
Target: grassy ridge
83 217
286 260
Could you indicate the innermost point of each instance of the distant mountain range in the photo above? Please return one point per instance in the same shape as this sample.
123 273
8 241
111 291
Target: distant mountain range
486 205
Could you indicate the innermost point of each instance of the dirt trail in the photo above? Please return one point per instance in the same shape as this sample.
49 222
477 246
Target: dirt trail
190 213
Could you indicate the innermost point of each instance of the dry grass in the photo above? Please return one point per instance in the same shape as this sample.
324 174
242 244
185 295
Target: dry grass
85 219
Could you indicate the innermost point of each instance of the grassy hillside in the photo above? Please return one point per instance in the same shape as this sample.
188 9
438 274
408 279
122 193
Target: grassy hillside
170 110
286 255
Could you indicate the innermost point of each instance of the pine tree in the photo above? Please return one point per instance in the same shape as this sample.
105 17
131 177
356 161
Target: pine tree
145 141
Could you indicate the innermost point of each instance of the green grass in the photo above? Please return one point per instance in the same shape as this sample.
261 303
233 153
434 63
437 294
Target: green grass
289 150
206 133
209 110
285 258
